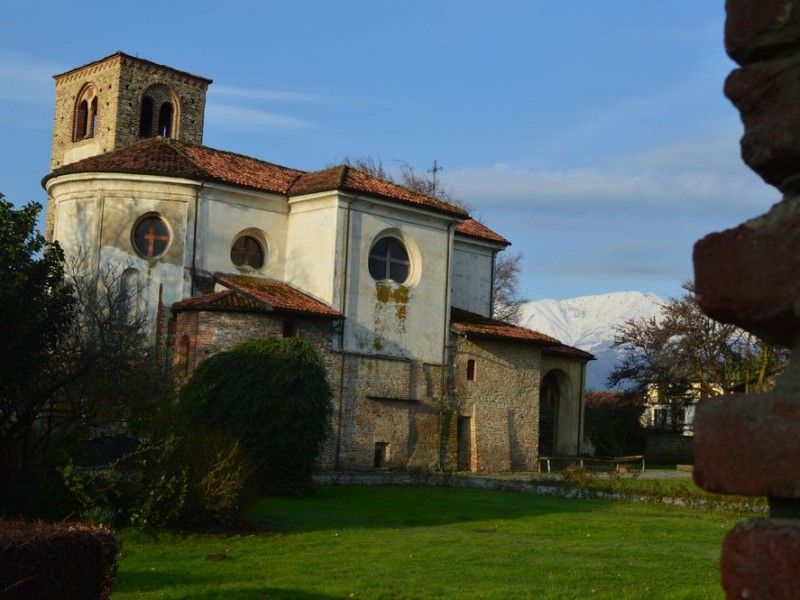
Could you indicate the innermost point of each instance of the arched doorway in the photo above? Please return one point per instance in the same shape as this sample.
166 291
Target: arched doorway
548 414
555 415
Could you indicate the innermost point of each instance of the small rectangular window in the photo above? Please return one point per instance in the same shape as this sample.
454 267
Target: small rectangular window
470 370
289 329
380 454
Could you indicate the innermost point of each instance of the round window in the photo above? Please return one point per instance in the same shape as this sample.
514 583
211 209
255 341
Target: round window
151 237
388 259
247 252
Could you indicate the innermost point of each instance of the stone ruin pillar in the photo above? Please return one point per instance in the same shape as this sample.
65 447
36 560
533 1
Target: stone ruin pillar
750 276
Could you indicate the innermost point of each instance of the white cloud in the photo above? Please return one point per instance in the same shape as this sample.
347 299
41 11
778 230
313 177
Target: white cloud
237 117
694 178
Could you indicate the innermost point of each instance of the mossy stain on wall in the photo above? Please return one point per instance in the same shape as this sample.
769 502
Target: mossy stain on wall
388 291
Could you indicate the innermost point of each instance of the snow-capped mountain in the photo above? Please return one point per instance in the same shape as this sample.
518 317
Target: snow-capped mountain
588 323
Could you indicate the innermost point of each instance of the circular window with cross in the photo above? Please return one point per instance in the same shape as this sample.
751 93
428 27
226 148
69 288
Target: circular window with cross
388 259
151 236
248 252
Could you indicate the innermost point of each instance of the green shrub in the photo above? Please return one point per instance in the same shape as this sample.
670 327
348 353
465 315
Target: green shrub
194 479
273 395
218 475
577 477
73 561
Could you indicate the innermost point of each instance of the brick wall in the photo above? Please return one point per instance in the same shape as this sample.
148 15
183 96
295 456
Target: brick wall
502 401
414 414
392 402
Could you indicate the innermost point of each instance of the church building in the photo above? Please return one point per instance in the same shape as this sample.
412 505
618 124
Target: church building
392 287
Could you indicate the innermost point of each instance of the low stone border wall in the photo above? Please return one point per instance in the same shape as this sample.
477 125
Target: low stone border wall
507 483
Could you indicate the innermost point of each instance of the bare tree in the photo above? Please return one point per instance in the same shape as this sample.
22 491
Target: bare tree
506 298
100 374
682 354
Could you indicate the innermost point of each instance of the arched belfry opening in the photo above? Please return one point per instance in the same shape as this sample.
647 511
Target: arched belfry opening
157 114
85 119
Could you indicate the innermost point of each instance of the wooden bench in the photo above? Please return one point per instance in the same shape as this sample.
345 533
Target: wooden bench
587 461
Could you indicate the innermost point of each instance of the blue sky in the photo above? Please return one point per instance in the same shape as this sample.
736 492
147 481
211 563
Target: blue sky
592 134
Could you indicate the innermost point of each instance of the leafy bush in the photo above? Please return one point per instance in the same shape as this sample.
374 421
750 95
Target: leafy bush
218 475
273 395
74 561
197 478
577 477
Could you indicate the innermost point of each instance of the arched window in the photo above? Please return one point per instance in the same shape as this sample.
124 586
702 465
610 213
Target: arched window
470 370
80 120
92 125
165 120
146 117
85 120
151 237
247 251
388 259
158 112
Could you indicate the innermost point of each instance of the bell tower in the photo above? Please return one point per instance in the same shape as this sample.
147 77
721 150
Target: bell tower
115 101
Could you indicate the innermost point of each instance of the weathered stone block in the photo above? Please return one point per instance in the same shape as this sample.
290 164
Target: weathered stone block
755 30
766 95
761 559
748 275
748 445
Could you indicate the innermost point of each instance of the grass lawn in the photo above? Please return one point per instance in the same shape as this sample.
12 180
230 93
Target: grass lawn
410 542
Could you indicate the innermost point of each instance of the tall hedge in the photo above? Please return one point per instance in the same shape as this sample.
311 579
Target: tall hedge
273 395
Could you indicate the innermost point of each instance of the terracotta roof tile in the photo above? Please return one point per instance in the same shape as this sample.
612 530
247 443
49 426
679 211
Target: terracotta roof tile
476 229
277 296
347 178
467 323
568 352
245 171
225 300
169 157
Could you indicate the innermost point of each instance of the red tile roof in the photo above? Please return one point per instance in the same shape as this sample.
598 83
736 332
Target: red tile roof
250 294
568 352
226 300
347 178
173 158
277 296
471 324
476 229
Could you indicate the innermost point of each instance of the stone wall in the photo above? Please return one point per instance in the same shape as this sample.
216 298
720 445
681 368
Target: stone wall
502 401
383 401
669 448
119 82
389 403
